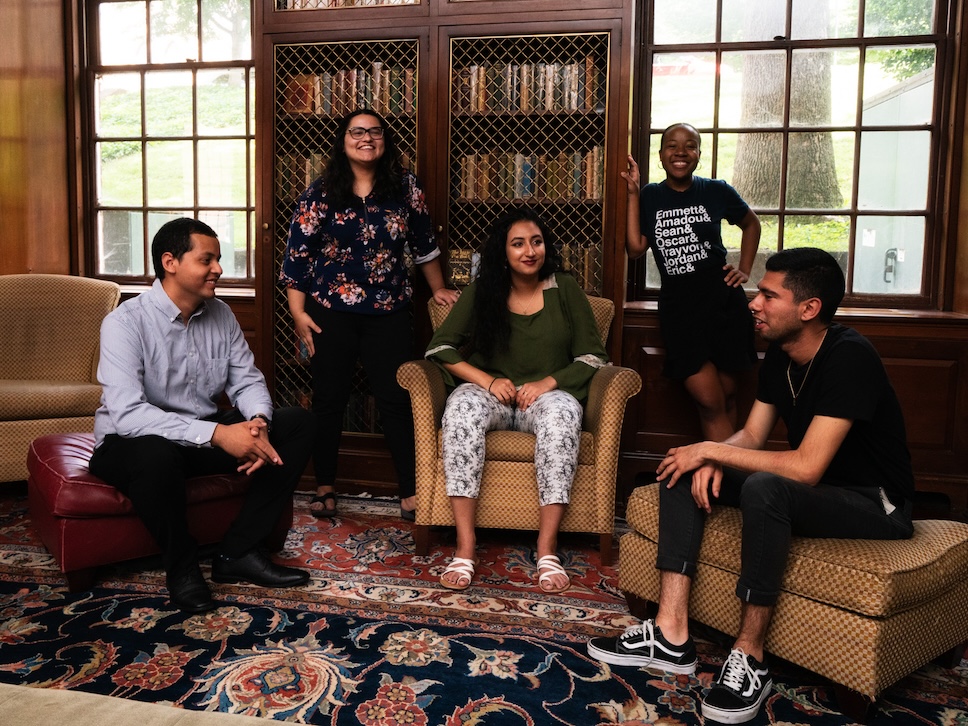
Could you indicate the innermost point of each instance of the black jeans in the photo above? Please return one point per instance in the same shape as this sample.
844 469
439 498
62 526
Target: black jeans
774 509
151 471
382 343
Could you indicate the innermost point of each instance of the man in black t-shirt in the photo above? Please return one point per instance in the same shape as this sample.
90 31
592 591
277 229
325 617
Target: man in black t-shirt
847 474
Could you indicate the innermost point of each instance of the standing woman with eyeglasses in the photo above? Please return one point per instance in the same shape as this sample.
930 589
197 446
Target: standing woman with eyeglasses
349 290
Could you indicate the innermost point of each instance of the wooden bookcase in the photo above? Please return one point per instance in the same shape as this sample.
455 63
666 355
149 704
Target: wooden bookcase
314 85
497 102
527 125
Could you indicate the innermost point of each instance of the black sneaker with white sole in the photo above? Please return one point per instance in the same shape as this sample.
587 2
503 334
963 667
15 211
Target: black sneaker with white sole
739 691
644 645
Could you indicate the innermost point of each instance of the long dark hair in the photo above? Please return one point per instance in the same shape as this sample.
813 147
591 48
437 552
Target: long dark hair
338 176
492 320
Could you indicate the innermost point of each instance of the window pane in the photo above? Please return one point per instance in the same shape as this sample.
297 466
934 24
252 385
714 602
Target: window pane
670 28
123 37
649 168
174 31
231 228
225 30
894 169
119 174
250 199
683 88
898 17
749 20
756 86
121 243
899 85
221 173
888 255
828 232
168 103
769 238
823 87
252 90
756 171
170 174
221 102
813 19
725 160
819 170
118 98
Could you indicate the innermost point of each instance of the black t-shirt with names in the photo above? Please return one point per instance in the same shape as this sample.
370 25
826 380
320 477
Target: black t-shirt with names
684 228
846 380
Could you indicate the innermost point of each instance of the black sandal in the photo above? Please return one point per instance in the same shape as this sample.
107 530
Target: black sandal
325 512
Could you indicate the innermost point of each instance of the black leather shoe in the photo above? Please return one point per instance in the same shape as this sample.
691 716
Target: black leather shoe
189 592
256 568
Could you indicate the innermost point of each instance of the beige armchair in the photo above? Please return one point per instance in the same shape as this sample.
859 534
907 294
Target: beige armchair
509 497
48 359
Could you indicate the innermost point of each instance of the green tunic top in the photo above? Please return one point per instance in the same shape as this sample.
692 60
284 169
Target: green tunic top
560 340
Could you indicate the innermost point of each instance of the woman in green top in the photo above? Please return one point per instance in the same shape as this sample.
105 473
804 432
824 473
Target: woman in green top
523 340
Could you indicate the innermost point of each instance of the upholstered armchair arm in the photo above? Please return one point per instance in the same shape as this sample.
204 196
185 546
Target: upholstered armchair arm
425 383
428 394
610 390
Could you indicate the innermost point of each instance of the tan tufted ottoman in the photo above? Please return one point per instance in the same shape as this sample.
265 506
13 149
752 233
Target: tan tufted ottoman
862 613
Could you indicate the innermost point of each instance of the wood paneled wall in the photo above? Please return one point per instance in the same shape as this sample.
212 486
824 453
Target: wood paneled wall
35 209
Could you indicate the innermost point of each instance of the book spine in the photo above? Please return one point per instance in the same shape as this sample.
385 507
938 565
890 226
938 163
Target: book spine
377 86
409 91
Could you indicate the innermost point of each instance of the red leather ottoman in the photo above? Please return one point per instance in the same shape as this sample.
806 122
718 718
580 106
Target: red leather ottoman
85 523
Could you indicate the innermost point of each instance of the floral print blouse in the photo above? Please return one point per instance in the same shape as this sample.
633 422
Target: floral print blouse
354 259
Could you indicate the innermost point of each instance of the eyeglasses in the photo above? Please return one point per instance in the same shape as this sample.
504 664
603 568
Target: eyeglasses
358 132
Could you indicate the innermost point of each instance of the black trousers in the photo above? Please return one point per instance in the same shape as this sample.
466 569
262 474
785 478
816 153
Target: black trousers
774 509
382 343
151 471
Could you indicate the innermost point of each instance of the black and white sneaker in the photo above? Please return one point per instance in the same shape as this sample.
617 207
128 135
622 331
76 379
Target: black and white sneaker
739 691
644 645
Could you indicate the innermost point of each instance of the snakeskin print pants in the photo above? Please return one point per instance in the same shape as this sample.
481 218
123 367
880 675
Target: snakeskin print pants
554 418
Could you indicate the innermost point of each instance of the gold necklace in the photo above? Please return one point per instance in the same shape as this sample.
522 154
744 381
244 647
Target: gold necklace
531 300
796 394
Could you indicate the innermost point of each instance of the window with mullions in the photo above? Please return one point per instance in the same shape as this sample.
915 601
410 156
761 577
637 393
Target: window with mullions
172 86
823 114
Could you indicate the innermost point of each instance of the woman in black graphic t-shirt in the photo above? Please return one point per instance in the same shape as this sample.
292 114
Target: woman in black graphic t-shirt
703 313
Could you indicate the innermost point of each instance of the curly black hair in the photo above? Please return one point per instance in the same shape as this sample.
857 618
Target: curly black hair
492 321
338 176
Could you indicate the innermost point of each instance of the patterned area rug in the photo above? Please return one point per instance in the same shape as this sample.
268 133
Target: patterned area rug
374 640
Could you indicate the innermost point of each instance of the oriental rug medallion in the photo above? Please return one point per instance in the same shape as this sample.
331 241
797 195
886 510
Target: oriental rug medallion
374 640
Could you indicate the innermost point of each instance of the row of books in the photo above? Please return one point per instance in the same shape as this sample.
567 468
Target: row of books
386 90
566 175
320 4
527 88
294 172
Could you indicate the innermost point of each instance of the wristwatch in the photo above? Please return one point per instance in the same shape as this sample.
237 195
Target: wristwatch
266 419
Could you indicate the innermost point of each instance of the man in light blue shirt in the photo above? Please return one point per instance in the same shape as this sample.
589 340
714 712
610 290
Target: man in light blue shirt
167 356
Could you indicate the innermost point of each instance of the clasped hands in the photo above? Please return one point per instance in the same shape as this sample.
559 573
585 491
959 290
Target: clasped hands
248 442
707 475
504 390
